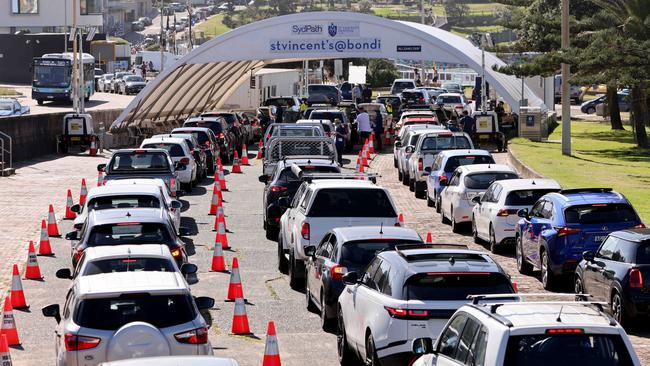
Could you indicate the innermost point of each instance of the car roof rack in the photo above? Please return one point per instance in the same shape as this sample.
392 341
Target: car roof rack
585 190
399 249
309 177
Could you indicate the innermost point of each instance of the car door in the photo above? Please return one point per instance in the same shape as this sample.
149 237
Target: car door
355 319
287 217
528 235
449 340
482 208
596 276
450 193
314 267
491 208
539 224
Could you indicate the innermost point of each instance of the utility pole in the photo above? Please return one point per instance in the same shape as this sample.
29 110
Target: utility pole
566 106
160 42
75 67
483 91
82 82
189 13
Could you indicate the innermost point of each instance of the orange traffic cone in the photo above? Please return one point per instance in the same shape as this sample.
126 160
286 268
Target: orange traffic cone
271 349
364 155
44 247
216 200
83 193
235 290
358 165
222 236
69 215
387 138
100 179
5 356
8 328
218 264
259 150
401 220
92 151
244 155
371 144
240 319
236 167
367 151
429 238
17 294
33 271
222 179
52 227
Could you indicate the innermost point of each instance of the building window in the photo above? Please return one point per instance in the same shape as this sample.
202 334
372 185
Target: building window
24 6
90 7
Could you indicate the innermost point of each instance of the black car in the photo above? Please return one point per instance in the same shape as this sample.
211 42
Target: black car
285 183
343 250
394 100
415 99
207 141
615 274
322 93
234 126
225 138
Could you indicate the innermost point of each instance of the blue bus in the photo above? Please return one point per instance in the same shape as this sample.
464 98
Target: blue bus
52 77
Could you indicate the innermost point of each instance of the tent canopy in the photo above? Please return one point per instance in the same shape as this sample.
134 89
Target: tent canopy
205 78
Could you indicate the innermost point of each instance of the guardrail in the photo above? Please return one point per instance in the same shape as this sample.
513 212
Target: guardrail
6 170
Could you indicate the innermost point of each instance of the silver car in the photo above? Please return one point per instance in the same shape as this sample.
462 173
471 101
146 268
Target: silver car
117 316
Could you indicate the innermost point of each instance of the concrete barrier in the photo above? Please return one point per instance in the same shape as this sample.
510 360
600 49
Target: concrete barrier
35 135
521 168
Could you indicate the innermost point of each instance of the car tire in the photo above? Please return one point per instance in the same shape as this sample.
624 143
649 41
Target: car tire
39 101
325 322
477 240
591 110
311 307
294 281
522 265
420 193
547 277
455 227
405 179
400 176
443 219
282 260
494 248
371 352
394 162
346 356
438 201
618 309
430 202
578 287
411 185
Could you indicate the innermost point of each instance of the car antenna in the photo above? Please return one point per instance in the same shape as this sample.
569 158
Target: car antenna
128 214
533 182
559 316
452 261
381 229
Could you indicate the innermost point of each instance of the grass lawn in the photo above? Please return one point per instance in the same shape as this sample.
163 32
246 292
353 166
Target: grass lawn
601 158
464 31
9 91
213 26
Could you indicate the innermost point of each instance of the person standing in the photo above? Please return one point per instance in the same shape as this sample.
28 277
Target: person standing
341 137
378 129
367 94
363 125
144 70
468 124
452 124
279 111
356 94
303 107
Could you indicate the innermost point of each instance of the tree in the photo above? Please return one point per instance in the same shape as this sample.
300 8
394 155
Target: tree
455 10
381 72
365 6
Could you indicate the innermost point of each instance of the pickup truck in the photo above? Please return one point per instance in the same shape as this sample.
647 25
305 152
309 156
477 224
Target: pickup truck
425 151
143 163
278 148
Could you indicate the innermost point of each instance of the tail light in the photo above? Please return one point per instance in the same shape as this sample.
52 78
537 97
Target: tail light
338 271
207 143
222 135
636 278
640 226
406 314
443 178
75 342
304 231
172 186
563 231
185 161
420 164
194 336
504 212
176 253
277 189
421 99
565 331
514 286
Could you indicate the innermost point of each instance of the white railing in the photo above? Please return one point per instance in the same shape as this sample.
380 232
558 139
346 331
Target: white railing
5 140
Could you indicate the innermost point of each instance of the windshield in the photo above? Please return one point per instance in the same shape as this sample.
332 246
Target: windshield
455 286
133 78
161 311
296 132
104 203
128 233
287 176
449 99
437 143
352 202
174 150
140 161
452 86
6 106
52 76
600 214
321 89
526 197
356 255
566 350
131 264
483 180
455 161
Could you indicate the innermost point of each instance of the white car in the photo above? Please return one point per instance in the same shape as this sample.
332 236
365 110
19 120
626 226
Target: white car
466 182
11 107
494 215
180 152
561 333
402 132
456 101
115 316
405 149
409 293
175 361
402 84
321 205
172 203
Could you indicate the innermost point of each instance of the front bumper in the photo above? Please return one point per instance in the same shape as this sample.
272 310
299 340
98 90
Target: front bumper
51 96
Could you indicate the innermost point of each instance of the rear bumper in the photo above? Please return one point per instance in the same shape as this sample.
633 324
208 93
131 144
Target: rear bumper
463 211
637 303
399 359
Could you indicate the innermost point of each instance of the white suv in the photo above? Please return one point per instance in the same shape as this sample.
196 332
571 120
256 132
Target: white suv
109 317
409 293
180 152
321 205
559 333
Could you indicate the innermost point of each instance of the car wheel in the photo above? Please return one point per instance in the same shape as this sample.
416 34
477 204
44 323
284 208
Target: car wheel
400 176
493 241
311 307
419 193
477 240
371 352
578 288
522 265
443 219
618 310
438 201
395 162
294 281
405 179
547 276
325 322
455 227
591 110
282 260
411 185
430 202
39 101
346 357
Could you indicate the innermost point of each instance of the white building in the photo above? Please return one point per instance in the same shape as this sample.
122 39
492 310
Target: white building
268 83
47 15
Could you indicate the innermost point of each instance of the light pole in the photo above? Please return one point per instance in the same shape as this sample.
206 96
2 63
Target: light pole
160 42
566 106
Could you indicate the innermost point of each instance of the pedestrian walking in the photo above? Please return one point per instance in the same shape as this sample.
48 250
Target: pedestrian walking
378 129
341 137
144 70
356 94
363 124
468 124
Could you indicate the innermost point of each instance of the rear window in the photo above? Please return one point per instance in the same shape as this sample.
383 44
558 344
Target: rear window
398 86
330 116
352 202
128 265
412 95
321 89
450 99
287 175
566 350
284 102
643 253
200 136
600 214
483 180
456 286
214 126
526 197
326 127
128 233
296 132
174 150
139 161
104 203
438 143
456 161
356 255
161 311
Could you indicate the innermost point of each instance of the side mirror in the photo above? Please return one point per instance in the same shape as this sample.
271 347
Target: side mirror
422 346
427 170
75 208
443 182
177 204
284 202
204 302
310 251
523 213
398 143
189 268
351 278
410 149
183 231
52 311
101 167
64 273
476 200
263 179
588 256
73 235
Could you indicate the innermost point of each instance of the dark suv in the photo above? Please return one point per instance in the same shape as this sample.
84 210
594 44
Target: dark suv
234 126
225 138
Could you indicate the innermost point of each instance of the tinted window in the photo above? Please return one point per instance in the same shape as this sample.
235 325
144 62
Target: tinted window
411 96
139 161
398 86
455 161
600 214
161 311
128 233
445 143
566 350
451 336
321 89
352 202
133 78
280 102
356 255
128 265
429 287
103 203
449 99
526 197
213 125
483 180
330 116
200 136
643 253
174 150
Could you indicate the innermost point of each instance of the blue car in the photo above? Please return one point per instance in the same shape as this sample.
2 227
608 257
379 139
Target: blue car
563 225
444 165
589 107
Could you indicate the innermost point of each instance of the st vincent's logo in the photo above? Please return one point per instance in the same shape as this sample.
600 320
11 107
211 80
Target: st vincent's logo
331 29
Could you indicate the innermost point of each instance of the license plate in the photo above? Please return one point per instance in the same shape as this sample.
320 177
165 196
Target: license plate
483 124
599 238
75 138
483 137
